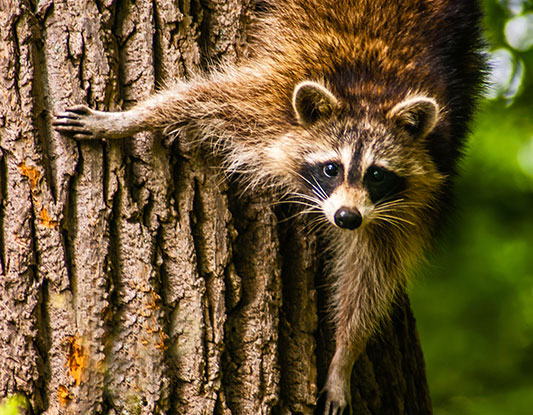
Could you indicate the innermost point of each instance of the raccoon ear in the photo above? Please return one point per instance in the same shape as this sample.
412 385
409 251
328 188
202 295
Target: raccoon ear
312 101
417 115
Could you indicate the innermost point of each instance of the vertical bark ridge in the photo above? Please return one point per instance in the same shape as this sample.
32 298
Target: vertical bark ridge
208 217
3 196
77 68
222 29
137 378
252 370
19 290
48 200
298 319
184 291
90 238
55 176
28 214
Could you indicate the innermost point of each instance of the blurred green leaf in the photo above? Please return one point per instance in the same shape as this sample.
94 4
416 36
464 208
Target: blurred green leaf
12 405
474 302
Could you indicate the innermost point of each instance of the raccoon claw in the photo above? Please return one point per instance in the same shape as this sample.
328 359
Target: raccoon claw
329 405
79 109
80 122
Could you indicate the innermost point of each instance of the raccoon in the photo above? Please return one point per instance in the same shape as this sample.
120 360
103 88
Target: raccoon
357 109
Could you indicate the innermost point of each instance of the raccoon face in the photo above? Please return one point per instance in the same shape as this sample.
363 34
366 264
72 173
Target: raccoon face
346 197
356 175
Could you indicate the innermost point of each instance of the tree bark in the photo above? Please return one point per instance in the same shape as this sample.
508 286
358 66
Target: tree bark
138 281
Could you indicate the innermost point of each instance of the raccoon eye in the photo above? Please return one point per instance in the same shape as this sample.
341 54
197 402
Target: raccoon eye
376 174
383 184
330 170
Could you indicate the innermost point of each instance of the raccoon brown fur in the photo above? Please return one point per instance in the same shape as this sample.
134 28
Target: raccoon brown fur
357 108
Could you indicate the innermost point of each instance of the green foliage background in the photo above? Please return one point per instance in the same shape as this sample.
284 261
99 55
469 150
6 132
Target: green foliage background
474 305
13 405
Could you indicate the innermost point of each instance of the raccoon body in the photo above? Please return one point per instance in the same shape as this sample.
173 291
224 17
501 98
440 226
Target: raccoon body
357 109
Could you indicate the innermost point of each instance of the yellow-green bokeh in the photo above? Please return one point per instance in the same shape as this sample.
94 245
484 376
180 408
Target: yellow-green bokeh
474 303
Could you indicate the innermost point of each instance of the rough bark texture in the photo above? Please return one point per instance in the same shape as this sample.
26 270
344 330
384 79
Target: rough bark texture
135 281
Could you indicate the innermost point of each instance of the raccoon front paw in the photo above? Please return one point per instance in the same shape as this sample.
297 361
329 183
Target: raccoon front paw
333 401
81 123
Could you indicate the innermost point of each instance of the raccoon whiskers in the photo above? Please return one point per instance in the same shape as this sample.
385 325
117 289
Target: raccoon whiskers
391 218
392 213
401 203
311 204
393 208
397 203
309 207
306 212
382 222
316 224
301 199
317 189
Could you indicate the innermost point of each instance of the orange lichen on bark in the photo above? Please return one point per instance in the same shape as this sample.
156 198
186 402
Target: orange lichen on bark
63 395
154 302
46 220
77 360
31 173
163 341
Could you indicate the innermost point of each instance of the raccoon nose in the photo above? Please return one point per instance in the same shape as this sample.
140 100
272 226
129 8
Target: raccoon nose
347 218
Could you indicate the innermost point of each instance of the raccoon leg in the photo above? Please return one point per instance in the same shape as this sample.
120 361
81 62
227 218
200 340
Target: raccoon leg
215 110
158 111
335 398
364 293
83 123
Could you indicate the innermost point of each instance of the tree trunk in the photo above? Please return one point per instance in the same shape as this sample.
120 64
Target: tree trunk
135 280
